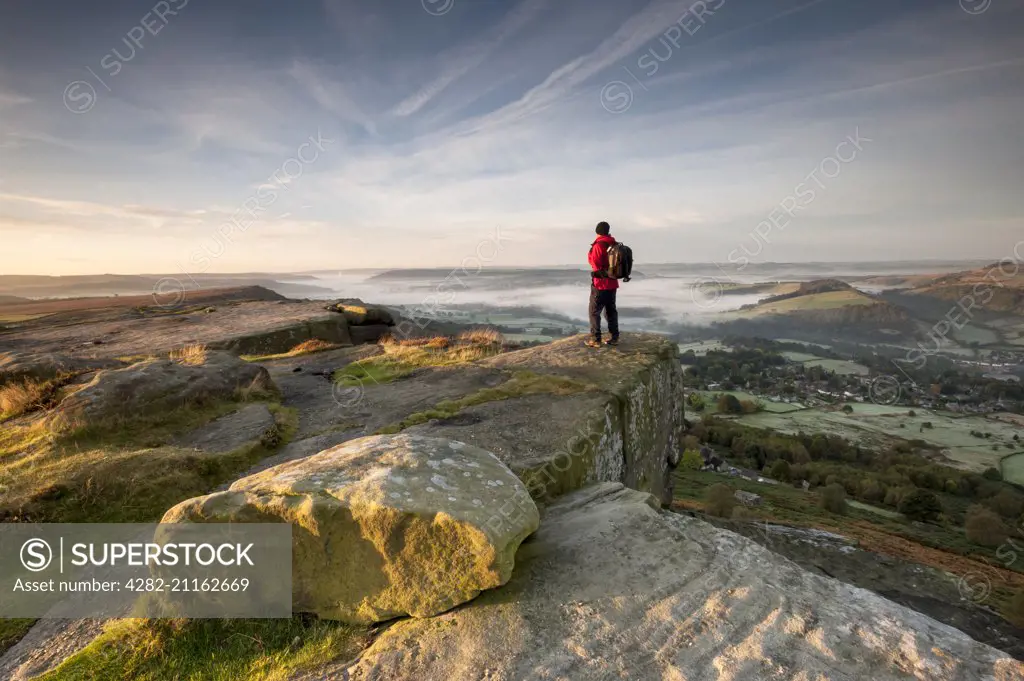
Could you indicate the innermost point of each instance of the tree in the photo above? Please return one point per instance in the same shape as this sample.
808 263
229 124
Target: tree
729 404
920 505
871 490
1008 503
833 498
720 500
691 461
984 527
780 470
992 474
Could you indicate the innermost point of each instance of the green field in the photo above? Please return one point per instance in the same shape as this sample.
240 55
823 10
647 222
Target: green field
972 333
875 425
840 366
884 512
1012 468
801 342
818 301
702 348
799 356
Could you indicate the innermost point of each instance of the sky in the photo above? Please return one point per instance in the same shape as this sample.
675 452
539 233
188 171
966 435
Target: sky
215 136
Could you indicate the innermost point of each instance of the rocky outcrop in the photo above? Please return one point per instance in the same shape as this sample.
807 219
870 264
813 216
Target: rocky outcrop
331 328
159 385
385 526
361 314
366 323
633 434
612 588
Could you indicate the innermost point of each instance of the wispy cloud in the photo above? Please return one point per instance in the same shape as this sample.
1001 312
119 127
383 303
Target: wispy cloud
461 60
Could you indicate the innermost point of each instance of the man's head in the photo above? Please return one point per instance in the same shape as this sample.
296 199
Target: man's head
603 228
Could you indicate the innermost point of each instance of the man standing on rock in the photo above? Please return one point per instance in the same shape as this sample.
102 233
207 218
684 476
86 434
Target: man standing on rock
602 289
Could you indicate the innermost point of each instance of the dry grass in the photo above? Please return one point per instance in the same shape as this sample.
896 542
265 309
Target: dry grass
17 399
403 356
20 398
482 336
308 347
313 345
190 354
129 474
437 342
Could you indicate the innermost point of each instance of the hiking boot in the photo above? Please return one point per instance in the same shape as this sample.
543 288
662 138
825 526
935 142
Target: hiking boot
612 342
591 343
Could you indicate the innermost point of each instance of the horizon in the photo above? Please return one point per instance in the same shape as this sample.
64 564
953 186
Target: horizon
498 268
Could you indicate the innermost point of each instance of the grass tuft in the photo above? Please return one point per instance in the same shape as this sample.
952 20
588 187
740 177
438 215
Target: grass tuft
194 355
402 357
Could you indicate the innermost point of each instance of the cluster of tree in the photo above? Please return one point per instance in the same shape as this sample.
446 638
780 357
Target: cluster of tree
737 367
891 478
762 369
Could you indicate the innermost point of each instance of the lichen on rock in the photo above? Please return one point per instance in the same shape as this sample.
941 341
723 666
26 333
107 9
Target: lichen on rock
386 526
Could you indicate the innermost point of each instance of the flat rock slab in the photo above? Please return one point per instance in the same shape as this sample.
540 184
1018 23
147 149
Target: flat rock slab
537 433
243 326
47 645
159 384
612 589
322 406
381 404
611 369
385 526
19 366
230 432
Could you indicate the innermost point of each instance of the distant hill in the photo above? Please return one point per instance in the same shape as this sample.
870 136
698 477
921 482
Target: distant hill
12 299
998 287
27 309
811 288
821 306
35 287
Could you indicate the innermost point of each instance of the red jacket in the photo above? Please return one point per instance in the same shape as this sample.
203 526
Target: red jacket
598 259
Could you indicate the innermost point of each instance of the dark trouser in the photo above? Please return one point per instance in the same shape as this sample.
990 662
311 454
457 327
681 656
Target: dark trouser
603 300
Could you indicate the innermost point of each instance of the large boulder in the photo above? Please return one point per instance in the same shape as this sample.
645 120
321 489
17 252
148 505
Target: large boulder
363 315
20 366
612 588
162 384
385 526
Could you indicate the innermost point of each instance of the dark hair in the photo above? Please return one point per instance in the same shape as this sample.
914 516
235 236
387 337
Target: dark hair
603 228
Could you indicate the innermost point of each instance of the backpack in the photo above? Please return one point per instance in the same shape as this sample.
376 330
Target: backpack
620 261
